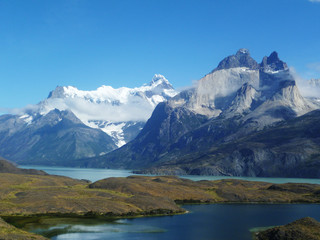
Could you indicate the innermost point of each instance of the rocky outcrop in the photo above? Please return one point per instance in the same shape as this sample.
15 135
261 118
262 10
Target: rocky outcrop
241 59
273 63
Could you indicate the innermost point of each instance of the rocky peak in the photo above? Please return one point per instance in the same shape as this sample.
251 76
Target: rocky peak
159 80
241 59
57 93
55 116
273 63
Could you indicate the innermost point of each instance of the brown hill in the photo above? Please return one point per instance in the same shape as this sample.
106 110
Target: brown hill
8 167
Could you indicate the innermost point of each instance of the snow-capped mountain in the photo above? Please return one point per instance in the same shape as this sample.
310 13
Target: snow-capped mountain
72 124
242 119
119 112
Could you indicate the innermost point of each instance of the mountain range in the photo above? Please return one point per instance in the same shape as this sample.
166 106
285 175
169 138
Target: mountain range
244 118
241 119
73 124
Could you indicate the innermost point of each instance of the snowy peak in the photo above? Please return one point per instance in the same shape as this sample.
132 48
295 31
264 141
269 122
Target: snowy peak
273 63
159 80
65 92
241 59
57 93
107 94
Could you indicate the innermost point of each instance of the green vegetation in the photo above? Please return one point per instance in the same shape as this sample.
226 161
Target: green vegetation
30 195
221 191
9 232
302 229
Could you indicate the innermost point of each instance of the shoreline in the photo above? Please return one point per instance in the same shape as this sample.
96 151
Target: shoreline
12 221
50 196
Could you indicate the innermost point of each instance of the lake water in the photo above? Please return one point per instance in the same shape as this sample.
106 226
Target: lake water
95 174
204 222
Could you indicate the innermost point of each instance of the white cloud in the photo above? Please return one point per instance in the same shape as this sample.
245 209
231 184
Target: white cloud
105 103
136 109
314 1
20 111
304 86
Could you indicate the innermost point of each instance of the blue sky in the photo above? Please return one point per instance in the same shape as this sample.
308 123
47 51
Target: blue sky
125 42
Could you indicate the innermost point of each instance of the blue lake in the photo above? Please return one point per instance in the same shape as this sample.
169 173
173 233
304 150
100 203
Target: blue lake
204 222
214 222
95 174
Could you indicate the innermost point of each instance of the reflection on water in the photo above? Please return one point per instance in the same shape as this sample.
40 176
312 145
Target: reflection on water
108 231
87 228
214 222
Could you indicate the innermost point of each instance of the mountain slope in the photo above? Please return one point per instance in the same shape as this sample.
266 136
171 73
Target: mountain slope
52 139
237 99
288 149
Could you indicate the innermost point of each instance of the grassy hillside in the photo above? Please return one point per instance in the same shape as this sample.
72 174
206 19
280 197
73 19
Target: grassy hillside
302 229
9 232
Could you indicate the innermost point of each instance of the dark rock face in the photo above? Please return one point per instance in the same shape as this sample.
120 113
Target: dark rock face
289 149
164 127
273 63
241 59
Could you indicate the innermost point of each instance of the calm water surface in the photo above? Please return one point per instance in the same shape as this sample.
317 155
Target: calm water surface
95 174
204 222
92 174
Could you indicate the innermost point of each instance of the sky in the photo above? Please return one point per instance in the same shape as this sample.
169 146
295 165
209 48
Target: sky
89 43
